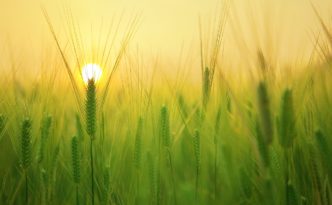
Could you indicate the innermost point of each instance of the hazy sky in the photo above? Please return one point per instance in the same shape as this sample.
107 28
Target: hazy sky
284 26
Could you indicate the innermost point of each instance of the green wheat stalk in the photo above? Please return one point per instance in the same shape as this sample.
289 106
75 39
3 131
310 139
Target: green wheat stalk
44 130
265 113
90 111
216 128
53 171
106 181
287 120
165 136
262 147
138 144
286 127
197 151
75 155
324 150
182 105
152 173
44 188
206 87
138 150
26 153
291 195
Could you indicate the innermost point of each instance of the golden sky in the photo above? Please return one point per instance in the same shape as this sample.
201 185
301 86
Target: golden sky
285 27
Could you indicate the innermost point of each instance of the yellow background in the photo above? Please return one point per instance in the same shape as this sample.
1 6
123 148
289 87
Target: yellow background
284 28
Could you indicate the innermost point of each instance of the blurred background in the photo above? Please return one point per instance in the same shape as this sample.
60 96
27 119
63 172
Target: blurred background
283 29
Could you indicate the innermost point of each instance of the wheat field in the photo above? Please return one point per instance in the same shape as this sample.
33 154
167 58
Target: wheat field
224 121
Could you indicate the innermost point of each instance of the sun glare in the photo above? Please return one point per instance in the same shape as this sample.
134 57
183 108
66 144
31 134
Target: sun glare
91 71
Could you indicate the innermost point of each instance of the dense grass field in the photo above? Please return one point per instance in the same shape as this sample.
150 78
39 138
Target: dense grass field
141 135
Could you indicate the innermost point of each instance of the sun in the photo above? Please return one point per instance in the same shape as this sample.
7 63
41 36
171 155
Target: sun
91 71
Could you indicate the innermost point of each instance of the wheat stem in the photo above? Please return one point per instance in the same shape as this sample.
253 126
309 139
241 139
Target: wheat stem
92 173
76 164
197 151
26 188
